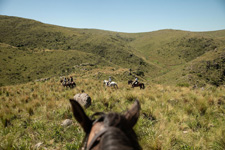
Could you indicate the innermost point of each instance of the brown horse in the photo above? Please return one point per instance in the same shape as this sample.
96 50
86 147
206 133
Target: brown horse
110 131
141 85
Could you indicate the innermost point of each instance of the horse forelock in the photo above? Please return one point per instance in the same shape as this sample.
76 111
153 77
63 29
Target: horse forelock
115 138
119 134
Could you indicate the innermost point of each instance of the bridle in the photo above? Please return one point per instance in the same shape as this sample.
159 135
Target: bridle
97 137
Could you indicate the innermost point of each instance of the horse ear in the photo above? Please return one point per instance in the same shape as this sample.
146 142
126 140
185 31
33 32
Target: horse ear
80 116
133 113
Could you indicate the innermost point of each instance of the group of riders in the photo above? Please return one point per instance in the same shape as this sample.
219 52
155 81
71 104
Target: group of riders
66 80
70 82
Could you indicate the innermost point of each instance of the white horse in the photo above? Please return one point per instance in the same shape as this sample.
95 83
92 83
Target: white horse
111 84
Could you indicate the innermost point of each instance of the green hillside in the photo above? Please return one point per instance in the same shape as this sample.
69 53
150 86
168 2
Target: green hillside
19 65
31 50
175 51
59 49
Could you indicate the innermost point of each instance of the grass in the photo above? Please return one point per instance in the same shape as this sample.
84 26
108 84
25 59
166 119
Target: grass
171 117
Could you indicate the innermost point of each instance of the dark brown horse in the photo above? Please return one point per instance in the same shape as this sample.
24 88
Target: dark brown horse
141 85
110 131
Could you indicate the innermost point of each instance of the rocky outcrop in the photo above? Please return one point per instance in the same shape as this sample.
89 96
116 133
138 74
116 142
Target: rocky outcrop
83 99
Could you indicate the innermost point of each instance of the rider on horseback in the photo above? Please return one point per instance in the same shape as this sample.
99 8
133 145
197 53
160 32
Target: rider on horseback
71 79
135 81
65 80
110 80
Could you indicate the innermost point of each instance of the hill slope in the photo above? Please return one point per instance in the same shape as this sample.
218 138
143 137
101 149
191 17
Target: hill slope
51 45
175 50
163 56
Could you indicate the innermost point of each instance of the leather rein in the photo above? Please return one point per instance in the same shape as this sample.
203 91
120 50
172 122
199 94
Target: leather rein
97 136
95 139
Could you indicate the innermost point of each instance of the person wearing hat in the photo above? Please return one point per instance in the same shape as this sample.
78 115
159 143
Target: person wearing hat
135 81
65 80
110 80
71 79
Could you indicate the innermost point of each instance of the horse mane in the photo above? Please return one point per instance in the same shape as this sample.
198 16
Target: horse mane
119 135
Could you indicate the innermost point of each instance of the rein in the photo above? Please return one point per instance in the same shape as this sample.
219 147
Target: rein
97 136
95 139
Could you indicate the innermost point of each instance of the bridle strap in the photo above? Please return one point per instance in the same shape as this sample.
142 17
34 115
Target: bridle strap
96 137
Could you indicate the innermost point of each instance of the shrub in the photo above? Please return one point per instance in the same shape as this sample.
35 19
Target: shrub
183 85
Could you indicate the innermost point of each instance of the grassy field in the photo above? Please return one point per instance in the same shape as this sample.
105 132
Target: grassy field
171 117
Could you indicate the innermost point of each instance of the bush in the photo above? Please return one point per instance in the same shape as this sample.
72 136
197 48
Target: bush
140 73
183 85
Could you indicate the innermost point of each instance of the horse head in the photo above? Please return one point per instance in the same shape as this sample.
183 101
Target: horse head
105 82
130 82
108 131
